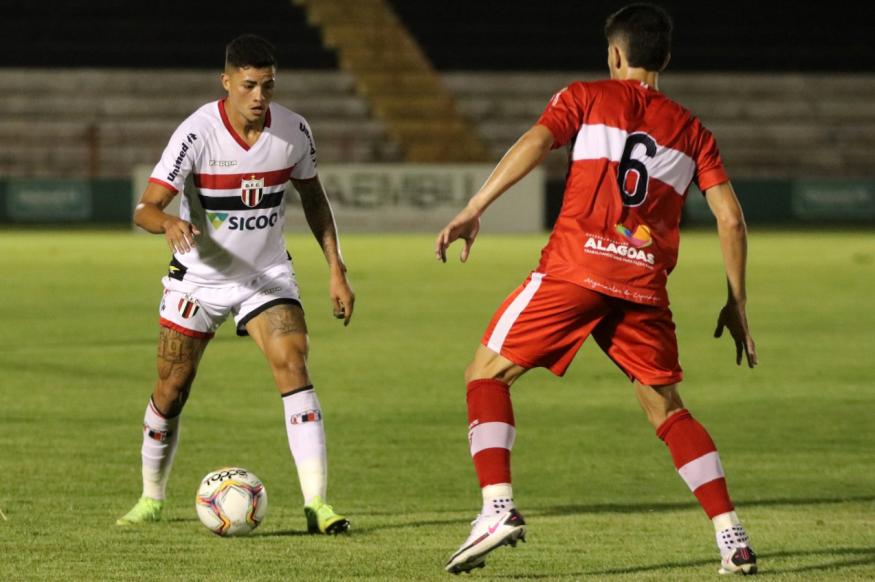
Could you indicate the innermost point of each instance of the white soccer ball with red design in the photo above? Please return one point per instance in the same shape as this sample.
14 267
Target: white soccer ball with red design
231 501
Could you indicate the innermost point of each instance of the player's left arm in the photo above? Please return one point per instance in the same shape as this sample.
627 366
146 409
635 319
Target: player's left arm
522 157
733 243
320 218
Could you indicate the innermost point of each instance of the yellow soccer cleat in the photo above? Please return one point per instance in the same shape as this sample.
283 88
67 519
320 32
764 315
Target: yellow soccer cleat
321 518
145 511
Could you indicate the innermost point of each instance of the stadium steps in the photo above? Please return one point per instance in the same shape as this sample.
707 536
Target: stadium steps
768 126
392 72
74 123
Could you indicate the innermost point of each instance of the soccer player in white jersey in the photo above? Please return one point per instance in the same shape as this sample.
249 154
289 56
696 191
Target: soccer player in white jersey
229 259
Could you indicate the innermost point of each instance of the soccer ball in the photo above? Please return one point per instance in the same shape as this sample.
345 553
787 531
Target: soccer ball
231 501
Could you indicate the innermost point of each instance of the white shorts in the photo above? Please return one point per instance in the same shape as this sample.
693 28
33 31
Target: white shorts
198 311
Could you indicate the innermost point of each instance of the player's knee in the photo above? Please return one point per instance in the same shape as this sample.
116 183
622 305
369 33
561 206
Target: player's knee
291 370
478 370
171 394
474 371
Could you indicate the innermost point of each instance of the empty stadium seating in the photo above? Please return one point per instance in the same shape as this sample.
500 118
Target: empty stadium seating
101 85
775 125
78 123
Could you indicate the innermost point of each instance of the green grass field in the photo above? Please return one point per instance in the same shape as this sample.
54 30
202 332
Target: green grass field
603 502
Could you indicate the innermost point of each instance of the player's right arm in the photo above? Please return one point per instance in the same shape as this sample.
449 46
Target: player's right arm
733 243
150 216
519 160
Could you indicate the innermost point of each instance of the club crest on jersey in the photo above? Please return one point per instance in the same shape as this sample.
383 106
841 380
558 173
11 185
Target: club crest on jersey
252 191
187 307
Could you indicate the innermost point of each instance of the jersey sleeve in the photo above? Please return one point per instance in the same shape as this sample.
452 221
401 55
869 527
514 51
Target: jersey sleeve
305 166
563 115
709 166
178 158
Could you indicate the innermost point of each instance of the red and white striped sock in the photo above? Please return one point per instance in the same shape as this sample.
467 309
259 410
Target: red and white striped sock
696 459
491 434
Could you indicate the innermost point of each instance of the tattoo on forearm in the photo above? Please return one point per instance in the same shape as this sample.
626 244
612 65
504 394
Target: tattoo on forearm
319 215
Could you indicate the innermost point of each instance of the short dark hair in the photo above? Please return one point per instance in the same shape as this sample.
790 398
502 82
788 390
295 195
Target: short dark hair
645 32
250 50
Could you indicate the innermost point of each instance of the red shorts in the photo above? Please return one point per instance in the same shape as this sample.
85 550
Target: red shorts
545 321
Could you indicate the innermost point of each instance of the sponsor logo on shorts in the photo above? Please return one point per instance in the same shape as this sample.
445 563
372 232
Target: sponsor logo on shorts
640 238
187 307
271 291
308 416
217 219
622 251
252 191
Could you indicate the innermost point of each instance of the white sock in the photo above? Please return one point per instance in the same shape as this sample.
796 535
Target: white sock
497 499
725 521
303 418
160 438
730 533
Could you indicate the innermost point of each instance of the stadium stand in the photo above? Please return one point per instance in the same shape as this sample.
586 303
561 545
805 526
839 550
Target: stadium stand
100 122
157 34
740 36
100 85
776 126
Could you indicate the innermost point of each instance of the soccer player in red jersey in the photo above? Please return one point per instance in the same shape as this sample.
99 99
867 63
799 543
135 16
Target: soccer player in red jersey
633 155
230 260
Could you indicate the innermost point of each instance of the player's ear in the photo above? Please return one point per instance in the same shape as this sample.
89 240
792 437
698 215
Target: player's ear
615 57
226 81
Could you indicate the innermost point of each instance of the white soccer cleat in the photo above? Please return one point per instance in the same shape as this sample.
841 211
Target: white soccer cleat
488 533
737 557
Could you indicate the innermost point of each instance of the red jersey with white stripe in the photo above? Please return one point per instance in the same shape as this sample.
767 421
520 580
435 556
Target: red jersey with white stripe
633 154
238 203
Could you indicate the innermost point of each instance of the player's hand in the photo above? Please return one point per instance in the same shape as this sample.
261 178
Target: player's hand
342 296
734 318
464 226
180 235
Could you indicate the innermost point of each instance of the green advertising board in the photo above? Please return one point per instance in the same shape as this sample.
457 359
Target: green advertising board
48 200
831 200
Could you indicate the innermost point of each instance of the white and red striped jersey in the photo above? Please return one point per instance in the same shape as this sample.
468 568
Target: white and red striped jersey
238 204
633 155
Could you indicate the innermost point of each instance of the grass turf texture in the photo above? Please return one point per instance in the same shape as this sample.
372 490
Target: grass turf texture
597 487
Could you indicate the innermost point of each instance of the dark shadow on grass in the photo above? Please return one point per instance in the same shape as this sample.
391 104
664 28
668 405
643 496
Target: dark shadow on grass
286 533
659 507
765 570
59 370
408 525
86 343
180 519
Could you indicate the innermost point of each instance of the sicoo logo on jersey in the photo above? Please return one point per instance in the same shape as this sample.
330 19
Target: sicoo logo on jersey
217 219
